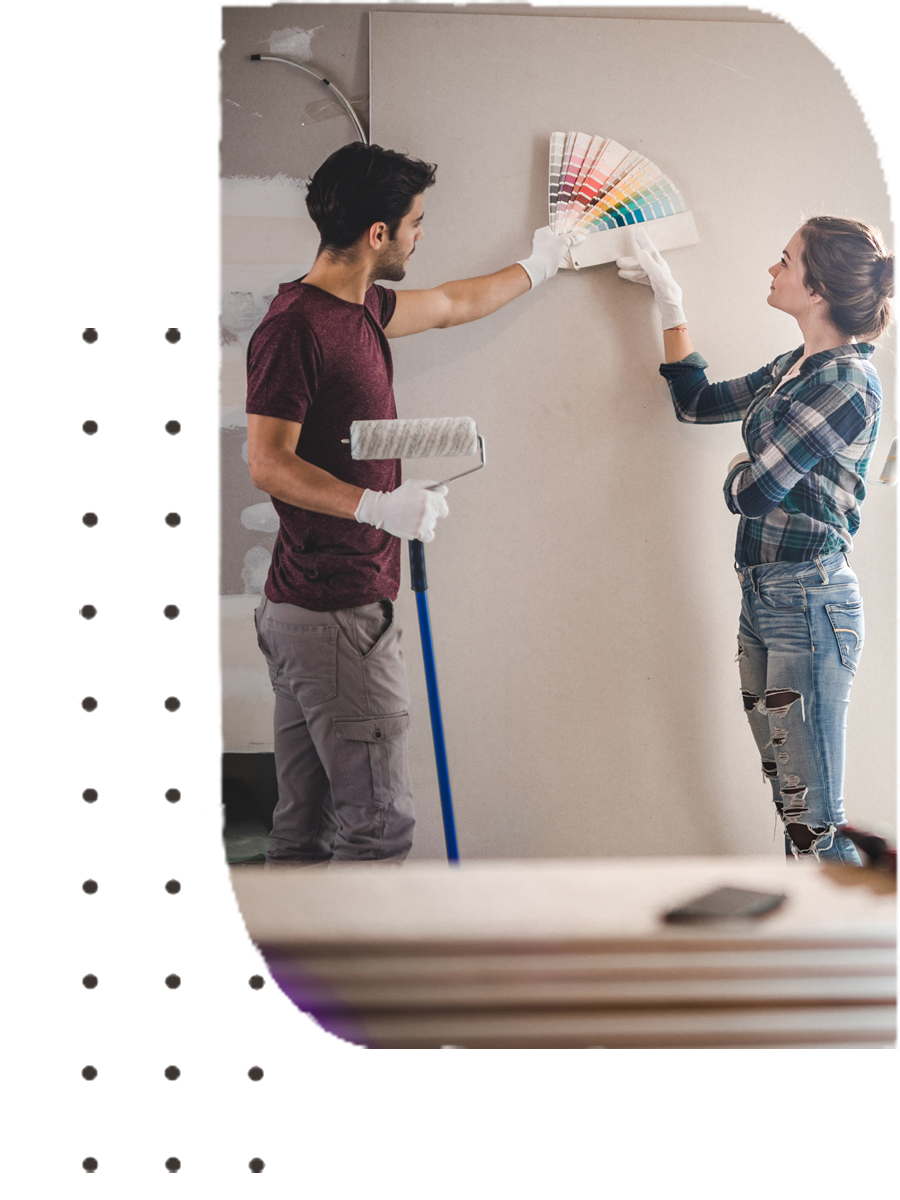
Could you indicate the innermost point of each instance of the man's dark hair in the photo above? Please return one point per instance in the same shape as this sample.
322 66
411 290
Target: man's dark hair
359 185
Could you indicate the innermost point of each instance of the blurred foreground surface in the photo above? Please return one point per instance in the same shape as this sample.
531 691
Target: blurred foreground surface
574 953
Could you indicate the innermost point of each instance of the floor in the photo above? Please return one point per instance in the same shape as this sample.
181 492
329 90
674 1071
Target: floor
245 843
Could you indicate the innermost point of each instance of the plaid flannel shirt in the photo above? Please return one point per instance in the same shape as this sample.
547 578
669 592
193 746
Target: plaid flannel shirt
809 442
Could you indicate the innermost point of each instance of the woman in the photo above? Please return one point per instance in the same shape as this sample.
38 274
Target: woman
810 419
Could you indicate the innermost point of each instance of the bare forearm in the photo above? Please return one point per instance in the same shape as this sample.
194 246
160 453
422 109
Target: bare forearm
297 482
676 344
471 299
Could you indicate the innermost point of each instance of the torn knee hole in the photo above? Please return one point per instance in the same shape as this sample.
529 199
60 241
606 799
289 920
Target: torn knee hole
750 701
779 701
793 793
805 836
770 769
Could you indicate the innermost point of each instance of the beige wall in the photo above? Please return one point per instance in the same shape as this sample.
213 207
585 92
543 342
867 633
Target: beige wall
582 597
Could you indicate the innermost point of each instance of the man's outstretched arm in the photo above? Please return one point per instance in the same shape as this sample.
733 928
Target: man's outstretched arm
465 300
457 302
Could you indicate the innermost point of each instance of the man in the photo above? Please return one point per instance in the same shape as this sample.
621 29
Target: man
318 361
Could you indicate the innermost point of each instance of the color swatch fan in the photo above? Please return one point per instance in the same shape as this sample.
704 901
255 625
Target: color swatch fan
602 190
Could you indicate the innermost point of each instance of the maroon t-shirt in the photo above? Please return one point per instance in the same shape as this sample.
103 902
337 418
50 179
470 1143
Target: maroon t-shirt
324 362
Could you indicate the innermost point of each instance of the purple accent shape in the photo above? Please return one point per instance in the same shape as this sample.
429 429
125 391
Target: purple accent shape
311 995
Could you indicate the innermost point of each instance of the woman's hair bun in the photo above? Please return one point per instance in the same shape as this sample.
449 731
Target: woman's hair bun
889 269
847 263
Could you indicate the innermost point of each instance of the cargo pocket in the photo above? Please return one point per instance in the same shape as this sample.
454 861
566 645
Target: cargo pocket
372 754
849 629
306 656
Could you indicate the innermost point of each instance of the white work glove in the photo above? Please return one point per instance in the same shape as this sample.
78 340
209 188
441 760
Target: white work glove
651 268
548 249
411 511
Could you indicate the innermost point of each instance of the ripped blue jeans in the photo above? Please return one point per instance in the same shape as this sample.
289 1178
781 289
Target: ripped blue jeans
799 642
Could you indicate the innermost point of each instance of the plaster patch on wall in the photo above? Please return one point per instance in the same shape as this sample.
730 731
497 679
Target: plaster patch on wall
241 313
292 41
232 417
263 196
247 292
260 517
256 568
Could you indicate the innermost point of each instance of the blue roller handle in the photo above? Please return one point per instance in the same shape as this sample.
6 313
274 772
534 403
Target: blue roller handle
420 586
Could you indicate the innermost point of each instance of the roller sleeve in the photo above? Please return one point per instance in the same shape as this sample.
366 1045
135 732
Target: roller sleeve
420 437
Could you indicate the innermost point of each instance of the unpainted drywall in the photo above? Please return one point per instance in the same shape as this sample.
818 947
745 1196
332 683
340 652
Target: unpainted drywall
583 594
581 591
278 125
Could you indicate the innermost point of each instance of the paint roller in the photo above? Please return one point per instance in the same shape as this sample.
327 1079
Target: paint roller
420 437
424 437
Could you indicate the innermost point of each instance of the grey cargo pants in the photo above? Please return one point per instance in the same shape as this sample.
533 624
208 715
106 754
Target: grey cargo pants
341 716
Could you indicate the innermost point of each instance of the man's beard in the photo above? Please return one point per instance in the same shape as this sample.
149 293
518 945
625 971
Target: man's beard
392 266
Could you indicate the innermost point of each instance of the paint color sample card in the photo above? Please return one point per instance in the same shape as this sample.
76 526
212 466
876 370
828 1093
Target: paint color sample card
598 186
667 233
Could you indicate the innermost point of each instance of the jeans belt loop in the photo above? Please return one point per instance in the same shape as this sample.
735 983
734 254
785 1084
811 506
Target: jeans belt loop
818 561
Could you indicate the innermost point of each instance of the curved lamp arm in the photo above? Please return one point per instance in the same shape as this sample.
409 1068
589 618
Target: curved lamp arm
342 99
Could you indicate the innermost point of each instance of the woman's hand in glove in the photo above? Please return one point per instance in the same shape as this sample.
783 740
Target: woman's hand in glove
650 268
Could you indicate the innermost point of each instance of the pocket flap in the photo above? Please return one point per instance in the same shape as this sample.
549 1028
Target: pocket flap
371 729
327 633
